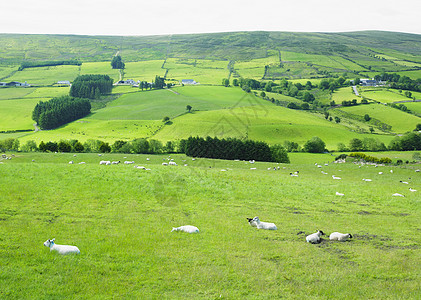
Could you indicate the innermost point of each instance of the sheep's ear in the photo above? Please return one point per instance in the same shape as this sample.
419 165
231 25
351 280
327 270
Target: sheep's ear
53 239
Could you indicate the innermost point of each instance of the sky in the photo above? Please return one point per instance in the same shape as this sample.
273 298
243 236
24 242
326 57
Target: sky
138 17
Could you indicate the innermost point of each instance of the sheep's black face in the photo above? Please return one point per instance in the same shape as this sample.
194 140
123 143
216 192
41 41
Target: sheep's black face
249 219
350 236
321 232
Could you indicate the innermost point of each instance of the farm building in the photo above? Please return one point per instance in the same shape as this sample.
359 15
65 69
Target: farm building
14 83
128 82
368 82
64 82
188 81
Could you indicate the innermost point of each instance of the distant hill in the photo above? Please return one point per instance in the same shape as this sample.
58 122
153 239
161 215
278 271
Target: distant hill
15 48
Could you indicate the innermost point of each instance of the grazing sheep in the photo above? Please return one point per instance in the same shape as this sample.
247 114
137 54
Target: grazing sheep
342 237
105 162
252 222
263 225
253 168
165 164
127 162
71 162
339 194
186 228
324 173
115 162
417 170
172 163
398 195
404 182
412 190
380 173
315 237
293 174
334 177
61 249
364 179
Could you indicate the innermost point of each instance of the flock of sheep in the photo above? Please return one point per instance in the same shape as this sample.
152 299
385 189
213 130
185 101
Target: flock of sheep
314 238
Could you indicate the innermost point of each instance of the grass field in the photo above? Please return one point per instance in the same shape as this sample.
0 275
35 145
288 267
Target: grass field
344 94
46 75
121 217
103 68
400 121
17 117
383 95
144 70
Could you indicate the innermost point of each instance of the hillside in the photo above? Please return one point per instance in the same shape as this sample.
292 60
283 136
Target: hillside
299 58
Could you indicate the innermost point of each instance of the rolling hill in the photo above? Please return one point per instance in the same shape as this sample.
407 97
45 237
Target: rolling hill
208 58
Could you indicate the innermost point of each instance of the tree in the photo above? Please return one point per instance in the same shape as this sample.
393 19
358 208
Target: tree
371 129
326 115
159 82
337 119
367 117
225 82
418 127
188 107
78 147
29 146
292 105
235 82
279 154
166 120
356 144
314 145
305 106
104 148
307 97
64 146
117 63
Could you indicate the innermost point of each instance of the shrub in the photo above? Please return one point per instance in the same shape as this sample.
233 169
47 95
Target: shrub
315 145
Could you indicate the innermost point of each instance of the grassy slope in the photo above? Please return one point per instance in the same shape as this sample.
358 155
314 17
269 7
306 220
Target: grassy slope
401 122
121 218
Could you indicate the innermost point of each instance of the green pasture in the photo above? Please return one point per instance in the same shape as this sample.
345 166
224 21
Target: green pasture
103 68
204 72
414 106
17 114
121 219
46 75
411 74
272 124
292 70
156 104
344 94
15 92
144 70
383 95
400 121
255 68
49 92
104 130
5 71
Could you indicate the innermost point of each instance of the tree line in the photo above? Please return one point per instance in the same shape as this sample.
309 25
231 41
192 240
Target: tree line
232 148
400 82
59 111
117 63
91 86
35 64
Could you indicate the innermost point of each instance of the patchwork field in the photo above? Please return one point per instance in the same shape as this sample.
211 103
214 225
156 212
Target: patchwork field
400 121
383 95
121 218
43 76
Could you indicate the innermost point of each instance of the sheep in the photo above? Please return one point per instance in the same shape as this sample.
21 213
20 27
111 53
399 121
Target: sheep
172 163
398 195
334 177
263 225
253 168
412 190
252 222
115 162
339 194
324 173
71 162
61 249
165 164
105 162
364 179
380 173
315 237
186 228
127 162
404 182
342 237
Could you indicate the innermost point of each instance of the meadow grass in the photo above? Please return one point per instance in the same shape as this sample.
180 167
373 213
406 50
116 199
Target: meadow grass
400 121
121 217
15 92
383 95
5 71
104 130
344 94
103 68
49 92
414 106
46 75
144 70
15 116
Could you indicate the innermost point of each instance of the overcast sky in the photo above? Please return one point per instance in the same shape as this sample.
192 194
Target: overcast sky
138 17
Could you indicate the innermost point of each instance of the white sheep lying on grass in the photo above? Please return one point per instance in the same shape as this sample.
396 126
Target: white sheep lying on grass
342 237
61 249
186 228
315 237
255 222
